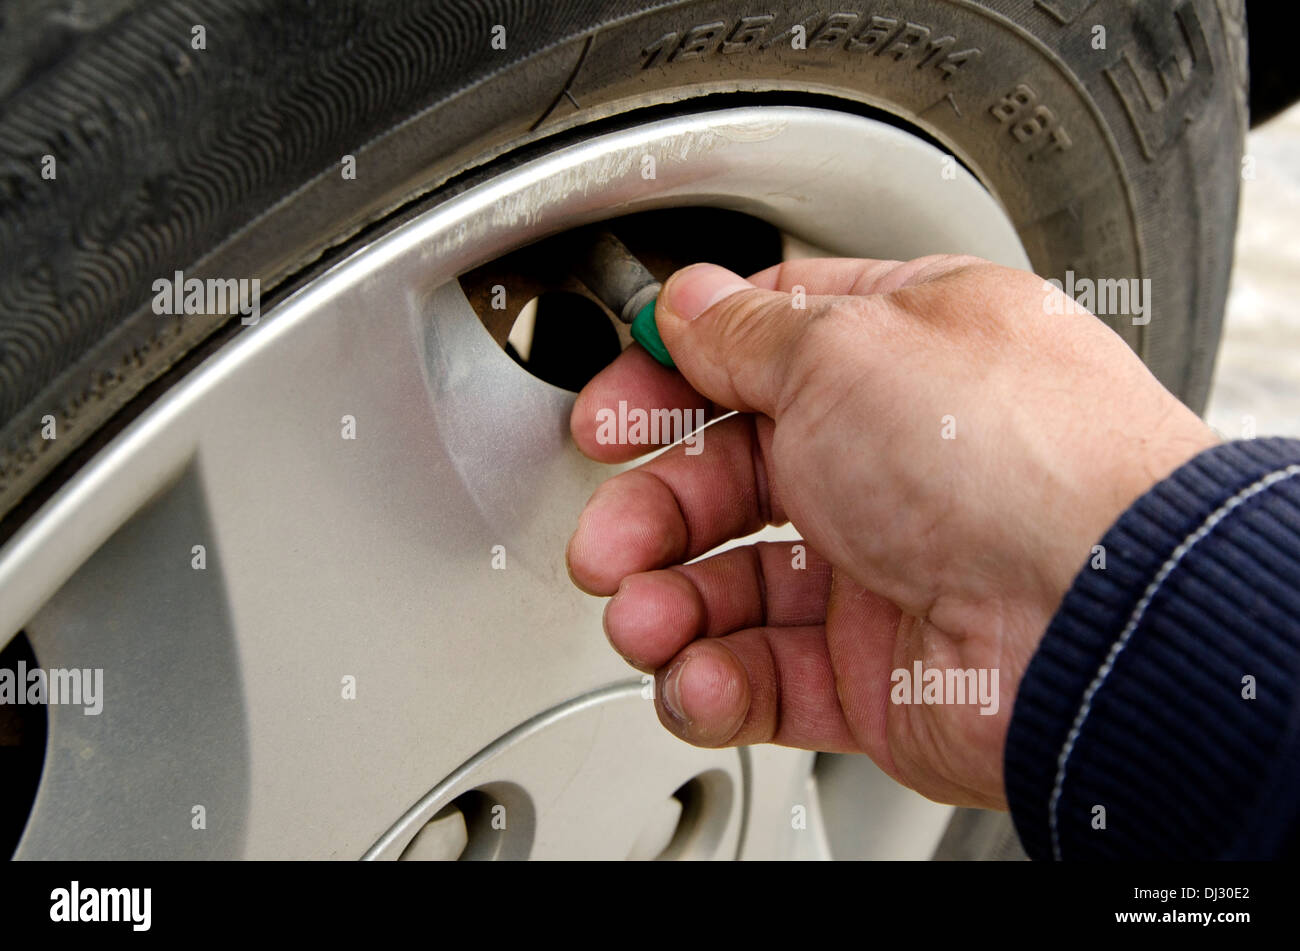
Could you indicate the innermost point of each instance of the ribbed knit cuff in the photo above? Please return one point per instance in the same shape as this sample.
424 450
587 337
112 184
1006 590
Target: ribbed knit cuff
1159 716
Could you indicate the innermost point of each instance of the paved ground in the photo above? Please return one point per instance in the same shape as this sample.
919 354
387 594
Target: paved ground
1258 373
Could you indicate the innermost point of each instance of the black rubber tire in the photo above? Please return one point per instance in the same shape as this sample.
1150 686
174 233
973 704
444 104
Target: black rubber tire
225 161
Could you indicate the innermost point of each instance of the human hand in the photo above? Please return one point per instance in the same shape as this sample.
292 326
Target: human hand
949 450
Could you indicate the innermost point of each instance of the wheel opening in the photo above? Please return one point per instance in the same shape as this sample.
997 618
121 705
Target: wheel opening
23 728
706 803
490 823
553 325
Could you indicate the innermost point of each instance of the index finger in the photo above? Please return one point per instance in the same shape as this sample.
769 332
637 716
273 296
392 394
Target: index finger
634 381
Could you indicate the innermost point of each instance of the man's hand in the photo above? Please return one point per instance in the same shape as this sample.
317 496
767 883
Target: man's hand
949 450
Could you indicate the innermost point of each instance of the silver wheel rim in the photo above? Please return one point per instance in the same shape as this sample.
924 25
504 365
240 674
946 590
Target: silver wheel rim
372 558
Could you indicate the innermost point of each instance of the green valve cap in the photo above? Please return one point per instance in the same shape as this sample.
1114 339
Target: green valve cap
646 333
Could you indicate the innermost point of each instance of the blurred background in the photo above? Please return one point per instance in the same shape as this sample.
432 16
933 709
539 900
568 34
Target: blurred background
1257 383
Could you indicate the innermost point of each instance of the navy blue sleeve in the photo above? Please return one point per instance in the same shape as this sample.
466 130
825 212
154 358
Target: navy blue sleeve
1160 715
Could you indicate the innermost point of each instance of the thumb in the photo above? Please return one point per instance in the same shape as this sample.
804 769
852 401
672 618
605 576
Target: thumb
731 339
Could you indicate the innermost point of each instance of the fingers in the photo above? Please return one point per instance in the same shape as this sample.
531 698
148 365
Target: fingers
740 354
676 507
762 685
761 672
778 684
657 613
751 348
638 381
841 277
862 632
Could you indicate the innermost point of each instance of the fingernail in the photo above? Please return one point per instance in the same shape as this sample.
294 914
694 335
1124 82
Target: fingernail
693 290
672 693
609 608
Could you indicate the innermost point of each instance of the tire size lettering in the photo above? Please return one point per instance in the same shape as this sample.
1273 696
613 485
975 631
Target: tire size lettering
1032 124
890 38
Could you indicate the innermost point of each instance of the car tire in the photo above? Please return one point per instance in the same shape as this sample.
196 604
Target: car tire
143 137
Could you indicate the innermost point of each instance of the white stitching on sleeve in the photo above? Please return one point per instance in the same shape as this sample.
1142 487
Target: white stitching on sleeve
1134 620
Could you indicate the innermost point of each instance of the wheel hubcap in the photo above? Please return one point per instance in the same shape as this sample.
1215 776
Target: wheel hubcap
383 624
